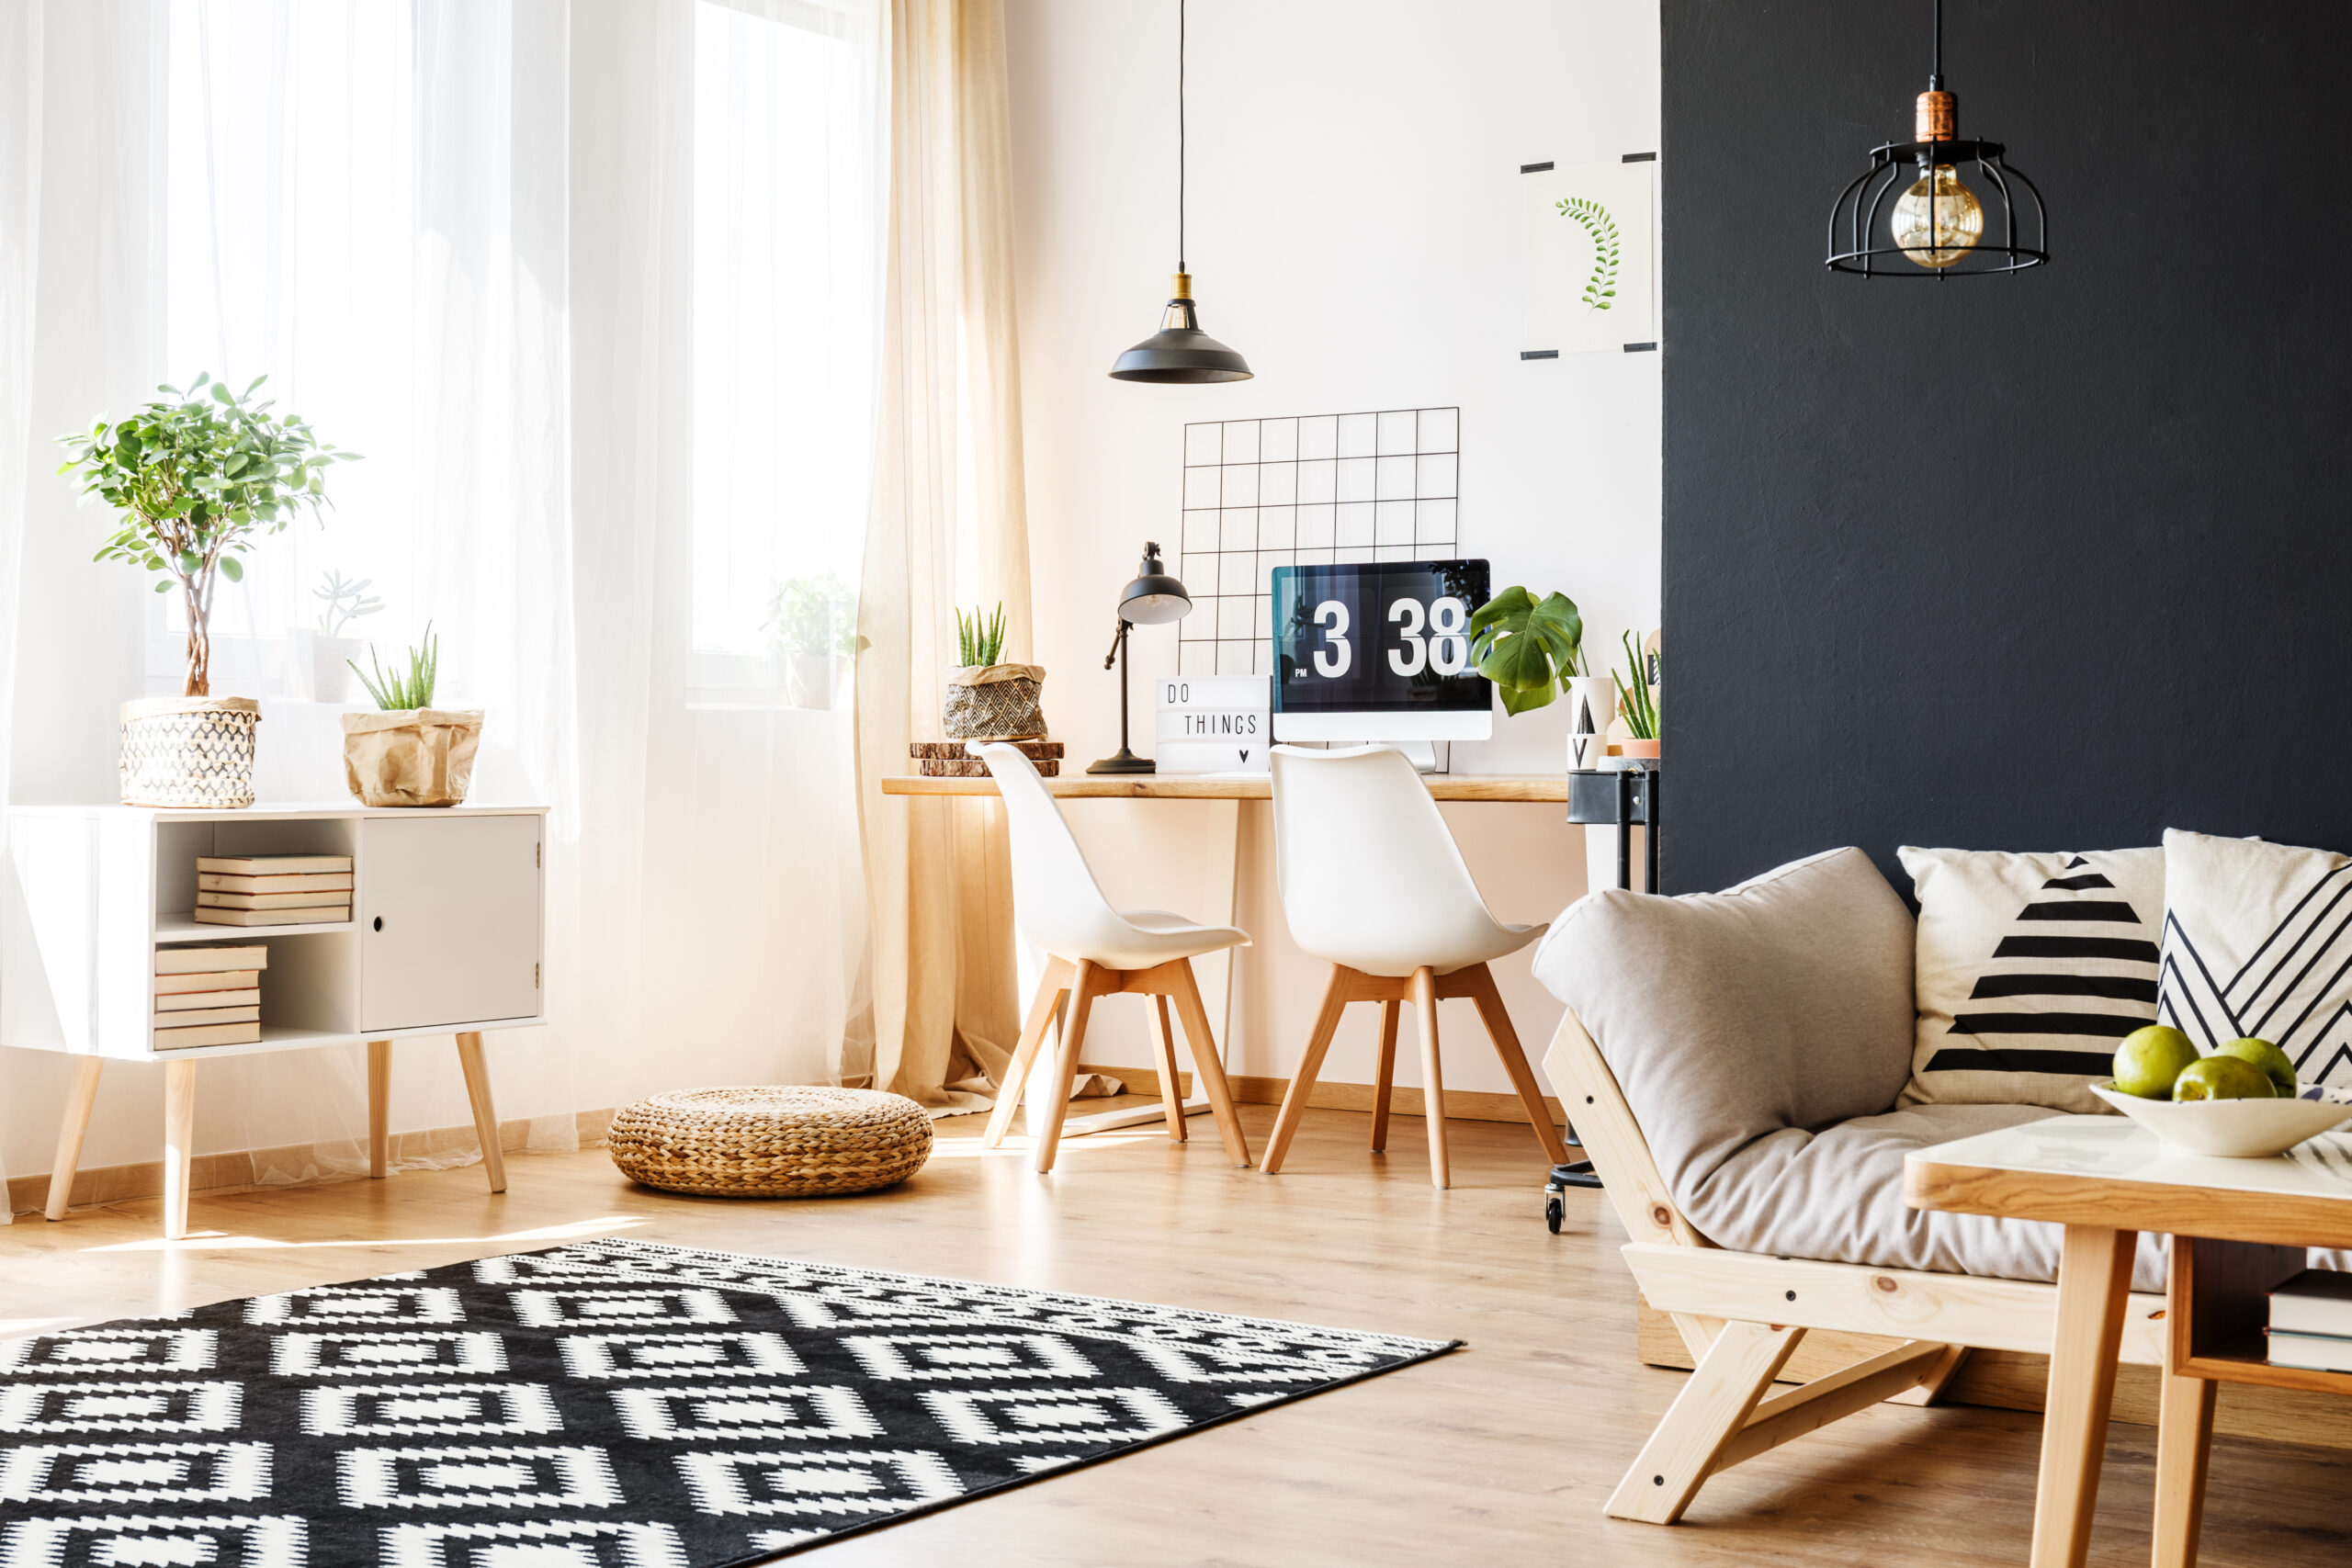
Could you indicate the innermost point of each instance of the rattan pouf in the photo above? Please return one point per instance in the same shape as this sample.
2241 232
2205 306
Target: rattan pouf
771 1143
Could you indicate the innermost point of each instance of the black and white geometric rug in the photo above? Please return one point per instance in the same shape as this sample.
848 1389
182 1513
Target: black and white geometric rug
604 1404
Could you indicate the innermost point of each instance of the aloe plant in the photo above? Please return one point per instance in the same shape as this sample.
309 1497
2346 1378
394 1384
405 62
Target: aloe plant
978 641
1635 699
396 691
1529 648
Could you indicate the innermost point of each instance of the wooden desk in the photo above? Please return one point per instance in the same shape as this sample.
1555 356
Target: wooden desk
1538 789
2239 1225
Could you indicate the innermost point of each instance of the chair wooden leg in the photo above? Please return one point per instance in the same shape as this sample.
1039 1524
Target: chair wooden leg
379 1107
2094 1288
1050 987
1085 985
1737 1371
179 1144
1491 1011
1208 1067
1163 1048
1432 1075
1302 1082
493 1157
2184 1446
1384 1076
79 1097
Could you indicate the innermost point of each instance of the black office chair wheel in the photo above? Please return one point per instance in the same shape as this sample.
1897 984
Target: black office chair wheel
1576 1173
1556 1209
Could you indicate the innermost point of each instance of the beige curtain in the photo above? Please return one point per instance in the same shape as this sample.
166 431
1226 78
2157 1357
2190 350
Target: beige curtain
948 526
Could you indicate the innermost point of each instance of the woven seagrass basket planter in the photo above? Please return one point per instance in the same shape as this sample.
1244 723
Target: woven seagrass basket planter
770 1142
189 752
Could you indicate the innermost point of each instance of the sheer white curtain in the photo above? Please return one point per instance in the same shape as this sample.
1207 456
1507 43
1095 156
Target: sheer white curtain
484 242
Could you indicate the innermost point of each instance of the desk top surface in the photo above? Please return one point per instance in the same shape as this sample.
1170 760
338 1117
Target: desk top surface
2105 1170
1533 787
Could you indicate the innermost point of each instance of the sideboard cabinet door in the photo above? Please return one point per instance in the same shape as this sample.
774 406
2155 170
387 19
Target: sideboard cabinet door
449 920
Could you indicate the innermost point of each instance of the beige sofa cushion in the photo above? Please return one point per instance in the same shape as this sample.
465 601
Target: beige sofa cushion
2031 968
1761 1036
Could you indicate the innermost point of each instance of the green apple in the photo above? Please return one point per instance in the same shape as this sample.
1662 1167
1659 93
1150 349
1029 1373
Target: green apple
2222 1078
2150 1059
2269 1058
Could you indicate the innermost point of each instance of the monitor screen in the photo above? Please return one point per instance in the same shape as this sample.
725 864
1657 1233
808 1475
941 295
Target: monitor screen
1389 637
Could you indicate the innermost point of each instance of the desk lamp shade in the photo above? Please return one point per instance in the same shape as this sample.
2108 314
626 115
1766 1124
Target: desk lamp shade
1154 598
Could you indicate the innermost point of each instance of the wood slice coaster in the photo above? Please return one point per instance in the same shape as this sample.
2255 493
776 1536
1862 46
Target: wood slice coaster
1035 751
973 768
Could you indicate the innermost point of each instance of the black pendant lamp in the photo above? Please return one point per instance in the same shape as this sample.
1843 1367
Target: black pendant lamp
1937 226
1180 351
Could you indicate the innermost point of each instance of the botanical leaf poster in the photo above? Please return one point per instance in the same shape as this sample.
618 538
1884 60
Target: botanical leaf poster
1591 258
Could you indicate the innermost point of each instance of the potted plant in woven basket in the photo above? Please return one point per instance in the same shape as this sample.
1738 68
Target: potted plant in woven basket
410 753
986 700
195 481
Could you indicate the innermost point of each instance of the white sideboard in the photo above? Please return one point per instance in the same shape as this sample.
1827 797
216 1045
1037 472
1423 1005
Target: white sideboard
445 937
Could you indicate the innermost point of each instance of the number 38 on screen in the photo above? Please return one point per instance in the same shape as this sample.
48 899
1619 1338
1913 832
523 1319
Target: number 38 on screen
1436 635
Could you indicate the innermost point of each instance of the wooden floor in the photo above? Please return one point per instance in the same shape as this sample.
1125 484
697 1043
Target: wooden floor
1499 1454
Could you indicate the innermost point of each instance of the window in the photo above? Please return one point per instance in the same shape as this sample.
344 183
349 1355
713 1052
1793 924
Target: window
784 181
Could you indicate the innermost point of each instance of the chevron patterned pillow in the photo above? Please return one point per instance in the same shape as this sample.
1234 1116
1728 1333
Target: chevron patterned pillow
2258 942
2028 969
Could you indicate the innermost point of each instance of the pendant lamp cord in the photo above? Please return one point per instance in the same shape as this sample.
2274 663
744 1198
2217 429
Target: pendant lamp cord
1179 129
1935 68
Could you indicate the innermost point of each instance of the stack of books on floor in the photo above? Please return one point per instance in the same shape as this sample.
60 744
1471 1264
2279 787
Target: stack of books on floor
2311 1322
272 890
208 996
948 759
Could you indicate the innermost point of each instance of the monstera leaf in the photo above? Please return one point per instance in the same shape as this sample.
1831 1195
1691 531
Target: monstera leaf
1526 645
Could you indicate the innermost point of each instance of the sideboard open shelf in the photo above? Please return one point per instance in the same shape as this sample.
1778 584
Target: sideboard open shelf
445 937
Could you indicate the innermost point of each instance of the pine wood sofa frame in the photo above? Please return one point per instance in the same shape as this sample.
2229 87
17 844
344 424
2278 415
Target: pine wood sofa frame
1742 1314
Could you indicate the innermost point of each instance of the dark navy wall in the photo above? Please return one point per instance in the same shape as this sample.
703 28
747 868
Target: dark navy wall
2052 561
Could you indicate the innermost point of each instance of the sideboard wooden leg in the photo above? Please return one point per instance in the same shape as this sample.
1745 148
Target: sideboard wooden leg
179 1144
79 1096
379 1105
494 1159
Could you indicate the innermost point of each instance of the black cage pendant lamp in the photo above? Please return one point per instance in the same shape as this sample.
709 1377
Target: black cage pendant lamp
1180 351
1936 225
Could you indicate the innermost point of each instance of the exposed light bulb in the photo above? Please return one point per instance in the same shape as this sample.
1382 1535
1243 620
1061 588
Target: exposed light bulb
1959 219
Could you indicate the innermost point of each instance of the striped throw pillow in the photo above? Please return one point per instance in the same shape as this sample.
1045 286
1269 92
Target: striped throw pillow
2258 942
2028 969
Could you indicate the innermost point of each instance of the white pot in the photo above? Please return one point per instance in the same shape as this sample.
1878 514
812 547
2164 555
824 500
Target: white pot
808 680
331 677
1592 703
189 752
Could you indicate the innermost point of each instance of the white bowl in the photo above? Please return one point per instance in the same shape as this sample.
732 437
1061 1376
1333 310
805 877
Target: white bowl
2233 1129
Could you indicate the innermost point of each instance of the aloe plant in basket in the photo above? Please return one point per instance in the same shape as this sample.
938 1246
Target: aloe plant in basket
410 753
195 483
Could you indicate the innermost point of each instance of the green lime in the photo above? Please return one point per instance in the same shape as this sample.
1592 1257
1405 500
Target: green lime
2222 1078
2150 1059
2268 1057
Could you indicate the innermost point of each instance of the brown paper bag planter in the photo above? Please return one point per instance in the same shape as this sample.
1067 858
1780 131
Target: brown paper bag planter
189 752
994 702
411 756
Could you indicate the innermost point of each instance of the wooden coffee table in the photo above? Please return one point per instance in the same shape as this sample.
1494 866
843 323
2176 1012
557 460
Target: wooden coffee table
2240 1226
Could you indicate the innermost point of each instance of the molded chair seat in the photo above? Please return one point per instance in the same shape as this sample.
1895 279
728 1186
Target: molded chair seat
1373 883
1095 951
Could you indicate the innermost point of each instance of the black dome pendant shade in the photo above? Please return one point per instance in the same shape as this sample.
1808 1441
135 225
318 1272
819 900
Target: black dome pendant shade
1180 352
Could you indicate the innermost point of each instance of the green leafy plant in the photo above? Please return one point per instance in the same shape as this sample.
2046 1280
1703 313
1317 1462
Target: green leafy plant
813 618
978 641
1607 250
345 602
196 480
395 691
1528 646
1635 698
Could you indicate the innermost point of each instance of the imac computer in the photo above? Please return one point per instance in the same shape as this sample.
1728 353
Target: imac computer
1379 652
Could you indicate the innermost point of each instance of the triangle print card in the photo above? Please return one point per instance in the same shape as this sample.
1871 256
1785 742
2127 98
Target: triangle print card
2030 970
2258 943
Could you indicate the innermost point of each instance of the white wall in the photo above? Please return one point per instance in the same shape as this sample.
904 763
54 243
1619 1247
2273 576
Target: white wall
1355 230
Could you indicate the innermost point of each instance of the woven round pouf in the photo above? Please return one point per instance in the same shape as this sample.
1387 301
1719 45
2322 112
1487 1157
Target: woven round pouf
770 1142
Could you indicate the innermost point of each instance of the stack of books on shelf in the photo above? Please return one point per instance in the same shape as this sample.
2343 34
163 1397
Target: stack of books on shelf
272 890
2311 1322
948 759
208 996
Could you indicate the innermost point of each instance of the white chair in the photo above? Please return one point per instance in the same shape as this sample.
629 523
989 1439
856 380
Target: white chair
1373 883
1096 951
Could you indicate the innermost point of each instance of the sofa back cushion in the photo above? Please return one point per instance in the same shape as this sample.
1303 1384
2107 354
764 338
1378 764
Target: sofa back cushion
2258 942
2031 968
1785 1002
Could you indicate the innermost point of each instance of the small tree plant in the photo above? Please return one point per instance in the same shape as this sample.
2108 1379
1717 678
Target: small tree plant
196 480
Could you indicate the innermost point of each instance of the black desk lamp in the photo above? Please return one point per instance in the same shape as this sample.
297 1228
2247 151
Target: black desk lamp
1153 599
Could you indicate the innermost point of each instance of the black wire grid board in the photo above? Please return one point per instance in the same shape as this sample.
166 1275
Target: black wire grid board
1320 490
604 1404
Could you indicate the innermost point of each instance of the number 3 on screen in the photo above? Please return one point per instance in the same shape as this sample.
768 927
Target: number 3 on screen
1331 659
